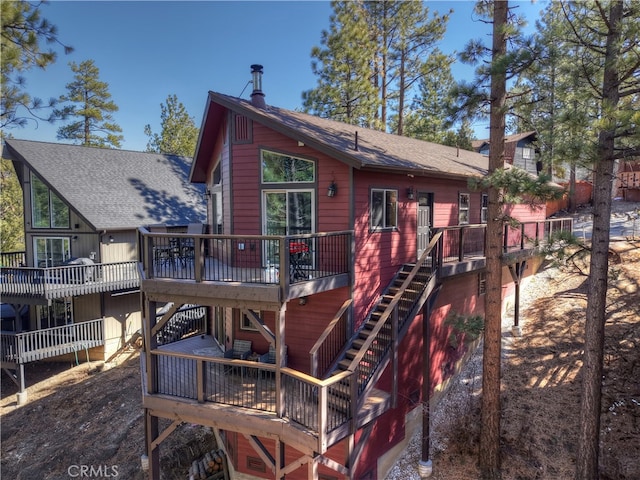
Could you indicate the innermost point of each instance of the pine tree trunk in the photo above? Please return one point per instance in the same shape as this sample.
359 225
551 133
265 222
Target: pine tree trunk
589 433
489 456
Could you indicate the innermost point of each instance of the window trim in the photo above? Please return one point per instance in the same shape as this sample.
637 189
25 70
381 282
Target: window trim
297 183
484 208
248 326
467 209
384 227
51 214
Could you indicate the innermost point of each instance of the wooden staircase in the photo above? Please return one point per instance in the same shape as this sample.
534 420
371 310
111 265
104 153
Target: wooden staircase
369 350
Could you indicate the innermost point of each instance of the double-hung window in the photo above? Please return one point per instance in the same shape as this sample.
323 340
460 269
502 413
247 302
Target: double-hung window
484 208
384 208
463 208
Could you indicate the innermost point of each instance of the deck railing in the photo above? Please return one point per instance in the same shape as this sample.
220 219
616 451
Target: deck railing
330 342
466 242
25 347
249 384
68 281
245 258
12 259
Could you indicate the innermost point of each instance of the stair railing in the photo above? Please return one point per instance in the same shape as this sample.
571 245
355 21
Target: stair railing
427 259
331 341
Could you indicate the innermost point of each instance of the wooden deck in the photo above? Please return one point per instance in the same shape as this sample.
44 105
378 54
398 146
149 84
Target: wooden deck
39 285
25 347
192 378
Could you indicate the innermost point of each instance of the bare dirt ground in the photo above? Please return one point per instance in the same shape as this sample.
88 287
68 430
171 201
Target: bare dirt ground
541 377
92 416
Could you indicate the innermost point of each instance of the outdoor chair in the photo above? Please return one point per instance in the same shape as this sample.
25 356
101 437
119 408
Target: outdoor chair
240 351
270 356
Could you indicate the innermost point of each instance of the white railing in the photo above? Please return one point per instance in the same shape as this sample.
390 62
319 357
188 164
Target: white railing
25 347
68 281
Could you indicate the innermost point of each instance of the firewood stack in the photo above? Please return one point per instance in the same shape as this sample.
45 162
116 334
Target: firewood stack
212 466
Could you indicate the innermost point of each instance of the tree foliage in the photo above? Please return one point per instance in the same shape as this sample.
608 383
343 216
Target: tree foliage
345 90
11 217
22 35
372 60
178 131
606 39
90 102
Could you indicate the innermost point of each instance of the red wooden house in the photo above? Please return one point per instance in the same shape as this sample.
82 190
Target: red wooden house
336 255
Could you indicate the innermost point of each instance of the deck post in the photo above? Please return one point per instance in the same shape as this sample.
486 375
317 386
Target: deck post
517 272
153 454
425 466
280 357
21 397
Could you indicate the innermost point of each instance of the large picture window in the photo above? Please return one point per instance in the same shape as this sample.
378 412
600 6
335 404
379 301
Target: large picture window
384 209
47 209
279 168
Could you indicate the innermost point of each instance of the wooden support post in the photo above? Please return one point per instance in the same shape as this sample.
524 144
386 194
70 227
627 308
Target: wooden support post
20 381
425 465
394 357
280 355
153 452
517 271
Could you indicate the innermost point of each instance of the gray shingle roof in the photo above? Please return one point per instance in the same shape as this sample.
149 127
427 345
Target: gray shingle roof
115 189
375 149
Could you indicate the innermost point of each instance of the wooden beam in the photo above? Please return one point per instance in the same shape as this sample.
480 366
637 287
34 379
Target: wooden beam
295 464
332 464
243 421
262 452
165 433
165 318
257 322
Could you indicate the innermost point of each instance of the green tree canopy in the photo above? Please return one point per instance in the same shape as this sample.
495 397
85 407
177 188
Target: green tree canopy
178 134
11 217
91 104
22 36
371 60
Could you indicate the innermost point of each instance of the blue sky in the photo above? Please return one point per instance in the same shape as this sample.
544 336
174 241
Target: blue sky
147 50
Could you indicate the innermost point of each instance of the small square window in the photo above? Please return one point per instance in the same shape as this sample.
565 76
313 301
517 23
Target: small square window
245 322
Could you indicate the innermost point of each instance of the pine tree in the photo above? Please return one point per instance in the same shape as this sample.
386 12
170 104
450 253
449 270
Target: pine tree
606 35
414 41
11 217
345 90
372 60
428 118
178 134
90 102
22 33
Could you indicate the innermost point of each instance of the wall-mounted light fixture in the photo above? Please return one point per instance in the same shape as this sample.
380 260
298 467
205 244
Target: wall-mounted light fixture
302 301
333 188
410 193
111 239
74 238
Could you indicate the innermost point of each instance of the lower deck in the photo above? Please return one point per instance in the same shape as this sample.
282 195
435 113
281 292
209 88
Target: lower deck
195 383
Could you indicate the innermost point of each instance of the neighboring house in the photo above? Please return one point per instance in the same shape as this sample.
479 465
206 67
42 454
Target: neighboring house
340 253
627 185
519 151
79 274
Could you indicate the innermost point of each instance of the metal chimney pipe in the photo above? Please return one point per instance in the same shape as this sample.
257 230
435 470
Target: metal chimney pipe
257 97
